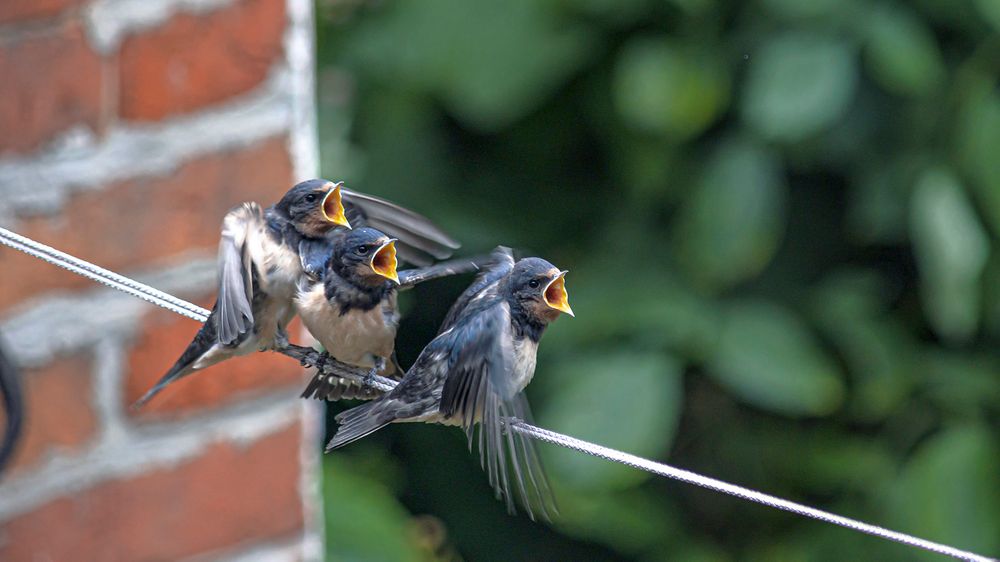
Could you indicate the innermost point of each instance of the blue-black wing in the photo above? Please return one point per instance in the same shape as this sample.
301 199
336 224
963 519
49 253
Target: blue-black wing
419 241
484 286
480 389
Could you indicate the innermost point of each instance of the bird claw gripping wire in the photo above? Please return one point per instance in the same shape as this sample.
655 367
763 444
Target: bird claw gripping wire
308 357
374 371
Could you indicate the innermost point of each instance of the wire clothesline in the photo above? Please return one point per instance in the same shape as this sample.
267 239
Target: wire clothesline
308 356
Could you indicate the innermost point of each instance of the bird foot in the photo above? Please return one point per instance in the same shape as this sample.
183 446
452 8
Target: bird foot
378 368
370 377
281 339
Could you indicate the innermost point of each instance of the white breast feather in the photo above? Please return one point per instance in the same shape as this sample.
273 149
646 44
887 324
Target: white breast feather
357 337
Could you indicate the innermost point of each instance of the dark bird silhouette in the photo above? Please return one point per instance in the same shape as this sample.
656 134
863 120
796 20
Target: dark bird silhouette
263 256
474 372
352 311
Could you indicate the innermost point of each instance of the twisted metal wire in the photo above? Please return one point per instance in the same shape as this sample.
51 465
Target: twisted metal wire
311 357
101 275
747 494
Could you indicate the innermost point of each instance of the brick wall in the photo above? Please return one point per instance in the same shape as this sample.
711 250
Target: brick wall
127 129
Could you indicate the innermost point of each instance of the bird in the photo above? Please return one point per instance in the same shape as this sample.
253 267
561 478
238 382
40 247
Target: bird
474 373
263 255
352 311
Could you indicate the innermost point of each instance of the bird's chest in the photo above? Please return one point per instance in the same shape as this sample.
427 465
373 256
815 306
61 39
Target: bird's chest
525 353
358 336
280 271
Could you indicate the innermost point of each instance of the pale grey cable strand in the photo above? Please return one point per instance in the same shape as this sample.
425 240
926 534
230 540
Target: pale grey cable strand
189 310
734 490
101 275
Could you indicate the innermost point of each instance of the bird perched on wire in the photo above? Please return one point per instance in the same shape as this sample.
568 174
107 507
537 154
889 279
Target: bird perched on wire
474 372
352 310
263 255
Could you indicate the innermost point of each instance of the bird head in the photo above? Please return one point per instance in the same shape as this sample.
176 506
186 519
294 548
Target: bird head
314 207
539 289
367 256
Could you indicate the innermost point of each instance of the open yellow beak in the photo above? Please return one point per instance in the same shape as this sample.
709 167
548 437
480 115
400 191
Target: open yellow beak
333 208
384 261
555 294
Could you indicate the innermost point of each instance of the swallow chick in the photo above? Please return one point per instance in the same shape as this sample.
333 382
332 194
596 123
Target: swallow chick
353 311
473 373
259 267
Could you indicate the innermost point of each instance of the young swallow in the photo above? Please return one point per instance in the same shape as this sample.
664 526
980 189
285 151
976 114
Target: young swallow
263 255
353 313
474 372
259 267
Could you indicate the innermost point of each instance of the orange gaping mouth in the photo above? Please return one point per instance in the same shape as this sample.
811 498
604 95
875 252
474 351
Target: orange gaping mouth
555 294
333 208
384 261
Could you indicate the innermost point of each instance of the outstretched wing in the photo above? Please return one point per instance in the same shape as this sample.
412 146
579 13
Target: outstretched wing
235 312
480 387
484 286
411 277
420 241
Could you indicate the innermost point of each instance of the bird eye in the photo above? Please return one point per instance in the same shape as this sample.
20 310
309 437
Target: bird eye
311 198
362 249
533 283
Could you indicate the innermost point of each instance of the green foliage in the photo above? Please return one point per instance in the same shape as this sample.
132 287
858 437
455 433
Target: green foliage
799 84
583 406
767 357
780 219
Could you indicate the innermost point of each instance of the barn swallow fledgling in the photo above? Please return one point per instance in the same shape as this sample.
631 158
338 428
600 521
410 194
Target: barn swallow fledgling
263 255
259 267
353 310
473 372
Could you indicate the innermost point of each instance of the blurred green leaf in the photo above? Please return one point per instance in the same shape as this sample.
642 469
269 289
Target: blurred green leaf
877 207
990 9
950 491
767 357
730 225
951 249
364 521
961 384
802 9
979 143
628 401
610 12
663 87
491 63
630 521
850 309
798 84
902 53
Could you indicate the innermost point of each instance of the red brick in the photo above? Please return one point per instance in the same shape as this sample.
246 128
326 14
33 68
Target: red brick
58 410
228 495
192 61
164 337
142 222
50 82
15 10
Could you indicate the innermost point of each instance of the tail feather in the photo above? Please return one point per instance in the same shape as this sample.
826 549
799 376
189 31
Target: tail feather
179 370
202 342
357 423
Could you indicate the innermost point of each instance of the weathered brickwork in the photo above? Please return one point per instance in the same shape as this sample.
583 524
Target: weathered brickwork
127 130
